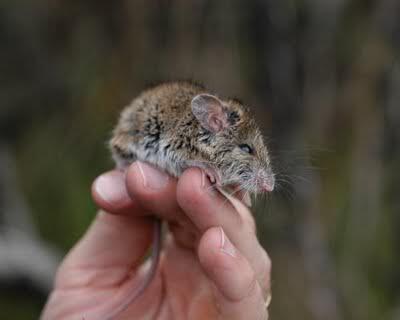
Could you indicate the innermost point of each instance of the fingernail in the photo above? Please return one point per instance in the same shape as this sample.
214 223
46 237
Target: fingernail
225 245
152 177
206 184
268 300
111 187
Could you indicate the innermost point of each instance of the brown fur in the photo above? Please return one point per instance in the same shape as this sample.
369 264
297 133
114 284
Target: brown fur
159 127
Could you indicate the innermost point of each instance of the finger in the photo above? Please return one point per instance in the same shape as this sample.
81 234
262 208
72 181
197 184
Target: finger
117 242
207 208
237 292
101 271
109 193
154 189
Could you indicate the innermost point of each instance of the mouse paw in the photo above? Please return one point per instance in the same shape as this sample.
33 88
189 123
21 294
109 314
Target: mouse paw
210 172
212 175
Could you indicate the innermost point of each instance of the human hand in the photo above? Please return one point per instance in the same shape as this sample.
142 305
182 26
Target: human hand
212 265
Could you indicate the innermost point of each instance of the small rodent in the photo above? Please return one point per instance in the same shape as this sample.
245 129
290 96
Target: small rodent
177 125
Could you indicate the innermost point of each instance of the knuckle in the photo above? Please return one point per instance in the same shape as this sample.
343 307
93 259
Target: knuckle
246 224
247 288
267 263
250 223
265 273
251 286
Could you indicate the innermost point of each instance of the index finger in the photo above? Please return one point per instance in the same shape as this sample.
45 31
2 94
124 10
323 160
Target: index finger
207 208
155 191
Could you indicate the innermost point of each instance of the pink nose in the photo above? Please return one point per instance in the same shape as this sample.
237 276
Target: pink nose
266 187
265 181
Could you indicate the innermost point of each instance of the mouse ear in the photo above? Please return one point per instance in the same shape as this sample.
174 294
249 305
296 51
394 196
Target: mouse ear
210 112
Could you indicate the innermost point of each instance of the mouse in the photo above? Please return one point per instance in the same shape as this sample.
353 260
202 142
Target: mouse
181 124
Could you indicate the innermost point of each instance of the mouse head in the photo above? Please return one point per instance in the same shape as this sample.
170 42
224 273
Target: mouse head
234 143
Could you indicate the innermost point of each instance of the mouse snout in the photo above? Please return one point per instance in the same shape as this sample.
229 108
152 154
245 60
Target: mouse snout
266 181
266 187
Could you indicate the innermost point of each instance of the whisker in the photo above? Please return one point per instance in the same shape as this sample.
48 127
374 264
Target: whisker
233 193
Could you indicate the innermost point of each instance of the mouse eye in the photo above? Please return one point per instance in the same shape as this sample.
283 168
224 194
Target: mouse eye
246 148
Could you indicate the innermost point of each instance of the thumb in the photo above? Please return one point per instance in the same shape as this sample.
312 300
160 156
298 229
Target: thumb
103 260
118 240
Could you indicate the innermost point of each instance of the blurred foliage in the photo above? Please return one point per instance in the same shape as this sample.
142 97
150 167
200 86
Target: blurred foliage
323 77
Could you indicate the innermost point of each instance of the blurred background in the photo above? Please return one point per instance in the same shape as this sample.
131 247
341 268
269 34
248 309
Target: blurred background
323 78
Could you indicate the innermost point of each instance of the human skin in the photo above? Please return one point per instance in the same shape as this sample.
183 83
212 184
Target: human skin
212 265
